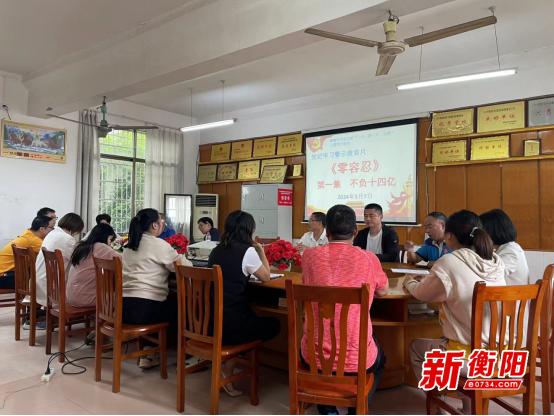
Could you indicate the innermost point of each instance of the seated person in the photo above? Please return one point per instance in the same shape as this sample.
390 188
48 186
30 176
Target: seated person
434 247
49 212
451 283
103 219
147 262
239 256
503 233
168 230
32 238
61 238
317 235
206 227
81 282
377 237
341 264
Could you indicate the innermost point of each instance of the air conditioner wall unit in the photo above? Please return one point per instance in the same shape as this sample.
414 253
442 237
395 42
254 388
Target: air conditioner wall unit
204 205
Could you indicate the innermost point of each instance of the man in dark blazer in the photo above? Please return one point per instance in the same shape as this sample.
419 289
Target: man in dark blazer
377 237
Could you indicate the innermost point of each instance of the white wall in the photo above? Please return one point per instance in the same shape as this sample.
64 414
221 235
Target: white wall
27 185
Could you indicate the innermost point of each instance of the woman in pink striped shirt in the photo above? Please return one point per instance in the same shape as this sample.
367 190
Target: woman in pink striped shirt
341 264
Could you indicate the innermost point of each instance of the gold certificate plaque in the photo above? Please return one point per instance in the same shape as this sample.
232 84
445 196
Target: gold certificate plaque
273 174
501 117
297 170
220 152
531 147
490 148
241 150
206 173
290 144
264 147
249 170
272 162
451 123
227 172
446 152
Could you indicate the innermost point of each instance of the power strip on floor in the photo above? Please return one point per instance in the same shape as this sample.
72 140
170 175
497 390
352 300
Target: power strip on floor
47 377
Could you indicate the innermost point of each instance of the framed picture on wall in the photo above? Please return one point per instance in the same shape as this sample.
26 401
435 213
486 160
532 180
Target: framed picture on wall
28 141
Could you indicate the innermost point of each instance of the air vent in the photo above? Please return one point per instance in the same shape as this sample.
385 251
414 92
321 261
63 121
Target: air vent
206 201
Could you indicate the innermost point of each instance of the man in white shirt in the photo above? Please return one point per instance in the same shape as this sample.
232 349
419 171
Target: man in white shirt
317 235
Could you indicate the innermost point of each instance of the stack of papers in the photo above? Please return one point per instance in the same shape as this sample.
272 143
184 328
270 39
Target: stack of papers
272 276
421 272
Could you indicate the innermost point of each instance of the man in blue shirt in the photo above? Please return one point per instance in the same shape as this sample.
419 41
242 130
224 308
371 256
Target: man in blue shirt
434 247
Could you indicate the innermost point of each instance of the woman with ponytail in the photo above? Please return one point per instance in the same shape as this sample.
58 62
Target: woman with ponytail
81 283
451 283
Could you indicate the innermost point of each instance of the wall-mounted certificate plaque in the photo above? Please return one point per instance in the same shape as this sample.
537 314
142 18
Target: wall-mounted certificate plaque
290 144
206 173
249 170
264 147
273 174
531 147
297 170
241 150
497 117
220 152
227 172
450 123
490 148
446 152
272 162
541 112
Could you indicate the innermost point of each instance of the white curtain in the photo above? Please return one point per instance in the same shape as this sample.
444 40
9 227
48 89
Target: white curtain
164 166
88 169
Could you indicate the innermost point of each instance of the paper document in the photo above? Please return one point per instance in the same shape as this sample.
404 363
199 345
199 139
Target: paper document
271 276
421 272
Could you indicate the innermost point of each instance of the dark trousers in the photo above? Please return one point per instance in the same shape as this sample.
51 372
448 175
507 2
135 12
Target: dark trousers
137 311
7 281
249 328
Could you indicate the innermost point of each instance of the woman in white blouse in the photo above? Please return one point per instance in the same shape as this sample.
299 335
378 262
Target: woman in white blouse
503 233
60 238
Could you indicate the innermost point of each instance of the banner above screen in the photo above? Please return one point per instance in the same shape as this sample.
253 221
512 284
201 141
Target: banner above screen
361 165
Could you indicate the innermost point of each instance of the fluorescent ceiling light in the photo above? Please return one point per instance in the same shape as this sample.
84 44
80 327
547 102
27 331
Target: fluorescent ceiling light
208 125
461 78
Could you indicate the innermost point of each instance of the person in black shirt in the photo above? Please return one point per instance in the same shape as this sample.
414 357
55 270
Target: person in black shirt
206 227
377 237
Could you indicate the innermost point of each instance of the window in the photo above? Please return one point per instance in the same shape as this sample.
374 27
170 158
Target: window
122 163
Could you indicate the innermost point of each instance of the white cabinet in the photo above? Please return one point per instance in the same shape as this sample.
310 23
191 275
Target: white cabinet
271 207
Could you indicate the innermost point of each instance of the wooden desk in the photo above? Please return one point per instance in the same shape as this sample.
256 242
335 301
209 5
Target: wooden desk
392 325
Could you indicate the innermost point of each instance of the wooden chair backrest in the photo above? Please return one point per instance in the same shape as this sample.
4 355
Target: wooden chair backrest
261 240
325 300
109 291
197 289
25 272
55 278
509 306
547 315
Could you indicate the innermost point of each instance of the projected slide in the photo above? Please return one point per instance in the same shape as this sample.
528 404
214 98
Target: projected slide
361 165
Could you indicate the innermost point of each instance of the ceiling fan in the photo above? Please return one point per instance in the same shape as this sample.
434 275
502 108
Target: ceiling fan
103 128
389 49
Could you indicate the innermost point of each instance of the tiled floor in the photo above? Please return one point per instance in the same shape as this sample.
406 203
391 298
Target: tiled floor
143 392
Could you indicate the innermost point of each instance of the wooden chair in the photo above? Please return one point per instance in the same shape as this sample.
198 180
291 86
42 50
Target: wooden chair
264 241
25 291
507 305
109 311
328 385
545 357
58 313
197 289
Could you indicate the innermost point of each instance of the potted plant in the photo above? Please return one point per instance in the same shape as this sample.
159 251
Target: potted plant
282 255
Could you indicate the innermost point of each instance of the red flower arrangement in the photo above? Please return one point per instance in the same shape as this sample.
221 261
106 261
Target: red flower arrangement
179 242
282 254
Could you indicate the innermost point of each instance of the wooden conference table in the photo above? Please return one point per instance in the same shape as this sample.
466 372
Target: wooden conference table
392 325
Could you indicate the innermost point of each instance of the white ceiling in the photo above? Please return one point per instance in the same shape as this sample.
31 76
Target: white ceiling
53 43
329 65
38 33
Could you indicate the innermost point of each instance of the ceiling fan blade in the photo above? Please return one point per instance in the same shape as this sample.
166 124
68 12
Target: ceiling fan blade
342 38
73 121
384 64
450 31
117 127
